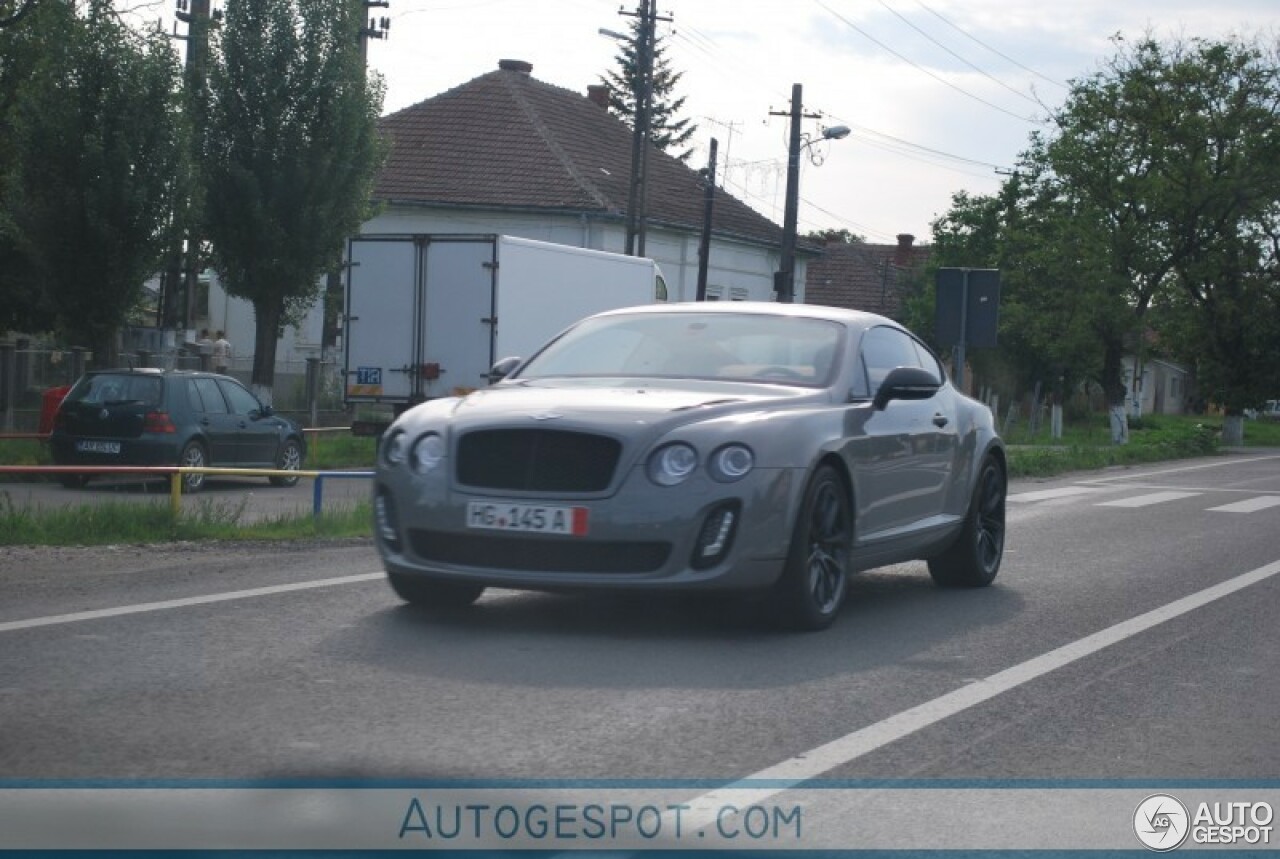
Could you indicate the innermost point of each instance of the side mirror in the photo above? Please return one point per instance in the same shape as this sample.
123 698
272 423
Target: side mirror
503 368
906 383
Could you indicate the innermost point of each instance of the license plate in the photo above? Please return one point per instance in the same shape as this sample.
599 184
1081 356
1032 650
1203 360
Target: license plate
98 446
528 518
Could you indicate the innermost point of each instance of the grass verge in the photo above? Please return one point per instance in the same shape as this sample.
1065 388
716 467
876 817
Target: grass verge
115 522
1150 440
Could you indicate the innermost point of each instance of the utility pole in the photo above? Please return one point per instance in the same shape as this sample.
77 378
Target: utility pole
334 299
196 15
709 198
784 281
644 47
378 28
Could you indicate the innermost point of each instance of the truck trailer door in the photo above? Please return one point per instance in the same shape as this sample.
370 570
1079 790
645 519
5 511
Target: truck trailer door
382 304
457 316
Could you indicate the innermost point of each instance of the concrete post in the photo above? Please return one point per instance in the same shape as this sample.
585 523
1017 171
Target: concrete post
8 382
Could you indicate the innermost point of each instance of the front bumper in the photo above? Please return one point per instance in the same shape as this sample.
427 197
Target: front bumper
699 535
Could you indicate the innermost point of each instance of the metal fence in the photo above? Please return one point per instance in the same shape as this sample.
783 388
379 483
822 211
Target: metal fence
305 389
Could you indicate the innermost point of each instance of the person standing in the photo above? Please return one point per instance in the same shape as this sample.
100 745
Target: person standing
204 349
221 354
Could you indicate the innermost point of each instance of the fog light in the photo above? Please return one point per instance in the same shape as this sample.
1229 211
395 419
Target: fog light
384 520
716 536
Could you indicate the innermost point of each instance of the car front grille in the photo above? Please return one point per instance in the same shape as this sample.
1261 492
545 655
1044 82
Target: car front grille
539 555
537 460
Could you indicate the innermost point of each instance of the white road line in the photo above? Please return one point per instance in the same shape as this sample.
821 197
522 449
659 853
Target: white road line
1249 505
1049 494
824 758
1230 460
1148 499
142 608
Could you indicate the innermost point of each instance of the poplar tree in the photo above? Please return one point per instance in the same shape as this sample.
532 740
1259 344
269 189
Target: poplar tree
667 132
291 149
91 168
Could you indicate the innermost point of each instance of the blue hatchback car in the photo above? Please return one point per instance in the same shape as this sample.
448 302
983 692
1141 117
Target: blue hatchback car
157 417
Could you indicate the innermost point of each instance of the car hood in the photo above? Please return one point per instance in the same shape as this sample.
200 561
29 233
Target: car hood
617 406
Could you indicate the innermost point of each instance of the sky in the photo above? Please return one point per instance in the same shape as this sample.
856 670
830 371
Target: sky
941 95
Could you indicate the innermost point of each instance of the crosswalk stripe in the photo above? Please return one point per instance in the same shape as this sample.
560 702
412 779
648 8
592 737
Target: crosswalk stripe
1049 494
1249 505
1148 499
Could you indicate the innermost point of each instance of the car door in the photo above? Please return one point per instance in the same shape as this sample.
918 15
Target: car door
215 420
899 453
257 436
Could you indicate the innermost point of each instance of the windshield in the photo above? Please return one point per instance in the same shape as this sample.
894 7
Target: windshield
115 388
732 347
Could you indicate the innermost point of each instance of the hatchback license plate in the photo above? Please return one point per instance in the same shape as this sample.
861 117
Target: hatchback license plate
529 518
98 446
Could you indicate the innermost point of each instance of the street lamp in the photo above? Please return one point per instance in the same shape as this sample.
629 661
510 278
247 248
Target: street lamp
784 280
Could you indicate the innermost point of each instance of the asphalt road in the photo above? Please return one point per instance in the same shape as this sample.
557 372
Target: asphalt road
1131 634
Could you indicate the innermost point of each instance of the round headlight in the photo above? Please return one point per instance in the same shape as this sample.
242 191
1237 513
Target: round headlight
731 462
427 453
670 465
395 448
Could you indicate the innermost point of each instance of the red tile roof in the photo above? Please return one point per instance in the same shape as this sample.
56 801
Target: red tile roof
506 140
864 276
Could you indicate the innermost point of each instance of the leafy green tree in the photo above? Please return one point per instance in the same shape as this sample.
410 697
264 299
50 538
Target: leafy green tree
94 165
1155 201
667 132
22 303
290 154
1221 168
839 236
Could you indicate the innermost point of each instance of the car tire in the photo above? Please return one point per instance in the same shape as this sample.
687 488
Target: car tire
193 456
815 578
74 481
973 560
427 592
290 459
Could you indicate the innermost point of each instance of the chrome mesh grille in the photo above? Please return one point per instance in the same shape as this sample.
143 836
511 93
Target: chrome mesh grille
537 460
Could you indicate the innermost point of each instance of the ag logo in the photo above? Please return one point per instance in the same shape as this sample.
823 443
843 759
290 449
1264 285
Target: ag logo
1161 822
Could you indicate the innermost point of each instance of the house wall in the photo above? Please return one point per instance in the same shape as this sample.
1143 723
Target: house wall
1163 391
235 316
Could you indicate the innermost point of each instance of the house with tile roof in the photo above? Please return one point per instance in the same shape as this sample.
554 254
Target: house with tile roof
506 153
864 276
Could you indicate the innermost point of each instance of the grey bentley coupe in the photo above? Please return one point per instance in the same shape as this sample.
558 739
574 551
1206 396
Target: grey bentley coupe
732 446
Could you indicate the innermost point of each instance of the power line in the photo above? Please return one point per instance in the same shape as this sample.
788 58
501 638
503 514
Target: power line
918 67
980 71
998 53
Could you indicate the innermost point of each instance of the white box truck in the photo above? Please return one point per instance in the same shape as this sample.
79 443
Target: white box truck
428 315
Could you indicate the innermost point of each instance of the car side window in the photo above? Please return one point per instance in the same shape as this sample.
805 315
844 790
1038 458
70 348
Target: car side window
929 361
884 349
205 397
241 401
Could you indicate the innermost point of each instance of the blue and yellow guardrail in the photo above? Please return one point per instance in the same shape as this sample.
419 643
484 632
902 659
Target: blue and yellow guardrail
175 473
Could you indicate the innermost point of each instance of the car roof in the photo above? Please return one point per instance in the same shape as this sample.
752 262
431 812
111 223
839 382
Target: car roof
852 318
155 371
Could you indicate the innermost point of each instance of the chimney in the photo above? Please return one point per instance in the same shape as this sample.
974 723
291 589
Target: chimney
902 255
515 66
599 94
